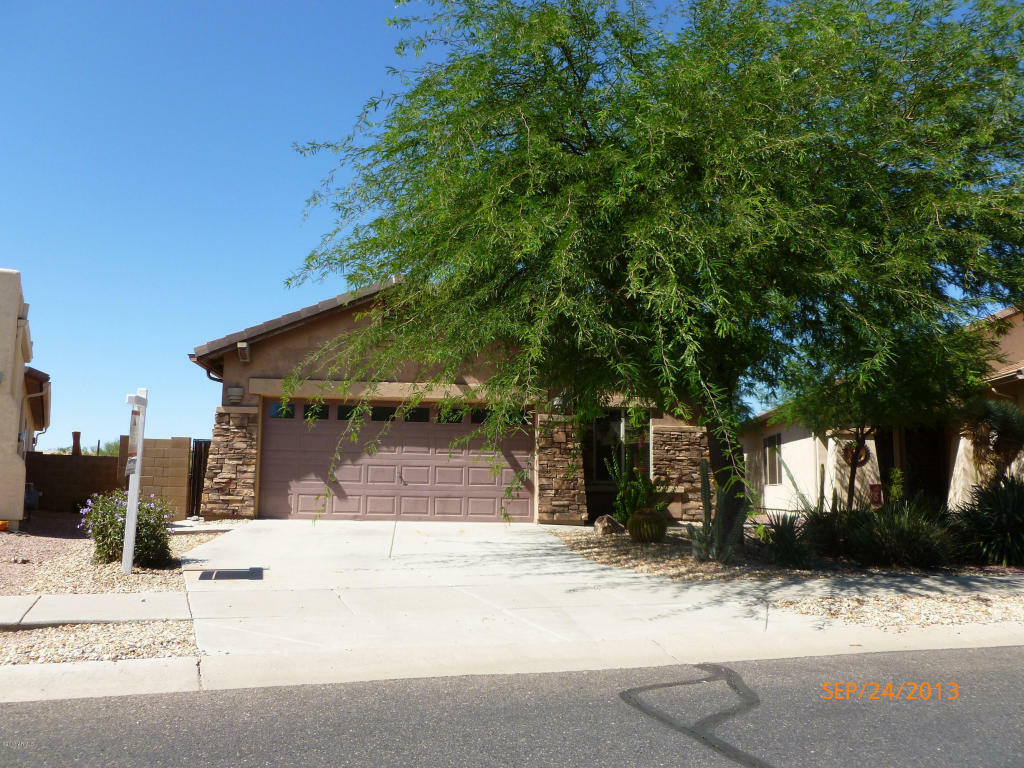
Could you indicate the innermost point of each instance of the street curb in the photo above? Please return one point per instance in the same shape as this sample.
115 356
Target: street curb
70 680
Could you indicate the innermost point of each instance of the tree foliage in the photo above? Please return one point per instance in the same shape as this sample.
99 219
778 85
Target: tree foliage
674 207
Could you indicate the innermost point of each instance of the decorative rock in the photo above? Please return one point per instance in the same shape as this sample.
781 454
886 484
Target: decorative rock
606 525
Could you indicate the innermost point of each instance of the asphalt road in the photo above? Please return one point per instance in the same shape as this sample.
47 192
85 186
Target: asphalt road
751 714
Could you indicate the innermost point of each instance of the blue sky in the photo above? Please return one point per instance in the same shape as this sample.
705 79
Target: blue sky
149 193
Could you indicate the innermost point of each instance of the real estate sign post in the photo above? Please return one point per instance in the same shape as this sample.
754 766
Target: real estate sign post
133 469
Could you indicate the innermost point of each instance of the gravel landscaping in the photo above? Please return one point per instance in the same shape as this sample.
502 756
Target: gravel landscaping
900 613
98 642
54 558
672 559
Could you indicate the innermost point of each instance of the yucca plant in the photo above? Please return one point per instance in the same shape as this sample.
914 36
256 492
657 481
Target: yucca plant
990 526
782 537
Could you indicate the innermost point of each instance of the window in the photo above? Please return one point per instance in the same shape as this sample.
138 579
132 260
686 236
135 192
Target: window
314 411
773 459
417 414
614 436
345 412
282 410
382 412
478 416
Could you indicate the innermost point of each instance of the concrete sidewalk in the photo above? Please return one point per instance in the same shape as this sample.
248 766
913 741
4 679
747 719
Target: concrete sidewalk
292 602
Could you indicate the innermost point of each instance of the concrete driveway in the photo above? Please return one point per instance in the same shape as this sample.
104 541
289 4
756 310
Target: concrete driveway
296 586
282 602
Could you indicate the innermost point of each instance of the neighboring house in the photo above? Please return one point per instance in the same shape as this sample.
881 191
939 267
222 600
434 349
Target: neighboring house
785 462
265 461
24 396
936 462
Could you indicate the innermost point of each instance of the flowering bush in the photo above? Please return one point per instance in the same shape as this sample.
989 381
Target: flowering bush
103 519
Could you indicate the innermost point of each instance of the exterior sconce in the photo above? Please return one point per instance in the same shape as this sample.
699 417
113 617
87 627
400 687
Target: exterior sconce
235 395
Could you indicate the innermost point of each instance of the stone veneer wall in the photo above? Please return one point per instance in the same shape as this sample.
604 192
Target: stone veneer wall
676 454
561 496
229 489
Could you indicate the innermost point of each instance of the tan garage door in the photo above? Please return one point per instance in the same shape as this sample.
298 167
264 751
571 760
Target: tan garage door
414 473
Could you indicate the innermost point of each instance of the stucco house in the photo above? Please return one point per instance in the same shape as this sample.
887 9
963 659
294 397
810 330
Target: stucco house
937 462
266 461
24 397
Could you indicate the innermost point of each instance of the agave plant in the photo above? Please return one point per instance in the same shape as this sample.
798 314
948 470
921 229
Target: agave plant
782 536
991 525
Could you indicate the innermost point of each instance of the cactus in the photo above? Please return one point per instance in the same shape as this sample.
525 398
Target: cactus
705 494
647 527
712 542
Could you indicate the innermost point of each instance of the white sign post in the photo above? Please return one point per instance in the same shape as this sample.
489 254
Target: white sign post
133 469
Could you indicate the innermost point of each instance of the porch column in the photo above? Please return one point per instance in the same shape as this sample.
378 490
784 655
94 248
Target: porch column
229 489
676 452
561 496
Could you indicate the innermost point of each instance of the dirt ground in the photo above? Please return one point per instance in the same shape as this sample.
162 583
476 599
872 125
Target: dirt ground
45 536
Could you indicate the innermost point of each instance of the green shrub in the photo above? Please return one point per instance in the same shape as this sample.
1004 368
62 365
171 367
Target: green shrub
782 538
825 530
990 526
635 490
103 519
906 532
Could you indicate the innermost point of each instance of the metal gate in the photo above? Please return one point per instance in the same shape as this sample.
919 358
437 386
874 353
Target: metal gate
197 474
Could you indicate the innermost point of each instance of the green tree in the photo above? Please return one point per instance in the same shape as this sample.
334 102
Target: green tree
111 448
604 200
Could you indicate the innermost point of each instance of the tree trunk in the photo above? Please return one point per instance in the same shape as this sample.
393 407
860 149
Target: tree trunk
860 440
725 459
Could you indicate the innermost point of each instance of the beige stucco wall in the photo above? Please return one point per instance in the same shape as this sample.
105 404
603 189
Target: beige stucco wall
1011 345
802 454
964 474
15 352
868 474
274 358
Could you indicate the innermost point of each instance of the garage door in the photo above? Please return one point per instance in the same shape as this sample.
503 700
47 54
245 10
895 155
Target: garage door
414 473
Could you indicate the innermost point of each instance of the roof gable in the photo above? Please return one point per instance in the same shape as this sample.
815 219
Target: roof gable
207 355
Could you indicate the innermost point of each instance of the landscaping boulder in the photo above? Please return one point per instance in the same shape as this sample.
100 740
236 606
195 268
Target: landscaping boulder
607 525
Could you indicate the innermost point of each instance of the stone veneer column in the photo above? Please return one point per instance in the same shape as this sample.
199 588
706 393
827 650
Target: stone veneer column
229 489
676 452
561 496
